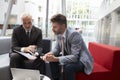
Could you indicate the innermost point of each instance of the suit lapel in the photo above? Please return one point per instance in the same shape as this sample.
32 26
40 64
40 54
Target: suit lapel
32 34
66 37
65 42
59 40
22 36
23 33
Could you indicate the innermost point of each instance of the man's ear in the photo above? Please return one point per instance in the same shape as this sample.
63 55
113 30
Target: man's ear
64 25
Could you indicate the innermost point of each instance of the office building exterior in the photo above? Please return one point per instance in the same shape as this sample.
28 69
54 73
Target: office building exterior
109 23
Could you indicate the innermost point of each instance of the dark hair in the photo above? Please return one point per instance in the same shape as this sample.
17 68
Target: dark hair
60 19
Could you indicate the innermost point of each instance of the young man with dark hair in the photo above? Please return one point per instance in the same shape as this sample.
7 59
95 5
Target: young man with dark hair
70 51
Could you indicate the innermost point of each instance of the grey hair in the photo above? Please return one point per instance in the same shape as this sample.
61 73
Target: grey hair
26 15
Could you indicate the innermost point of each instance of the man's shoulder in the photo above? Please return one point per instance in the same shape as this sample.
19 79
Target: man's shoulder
71 31
36 28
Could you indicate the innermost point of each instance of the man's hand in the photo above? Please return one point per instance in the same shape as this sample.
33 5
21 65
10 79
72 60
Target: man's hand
46 55
50 57
30 49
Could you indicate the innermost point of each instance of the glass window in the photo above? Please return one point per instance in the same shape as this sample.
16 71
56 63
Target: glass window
39 8
15 2
12 19
6 0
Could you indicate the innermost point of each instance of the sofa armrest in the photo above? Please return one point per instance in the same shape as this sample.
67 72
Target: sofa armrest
47 43
5 45
104 54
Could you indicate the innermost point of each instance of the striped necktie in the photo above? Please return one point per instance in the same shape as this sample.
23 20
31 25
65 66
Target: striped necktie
62 41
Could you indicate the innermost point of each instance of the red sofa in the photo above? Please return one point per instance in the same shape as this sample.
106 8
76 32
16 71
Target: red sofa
106 63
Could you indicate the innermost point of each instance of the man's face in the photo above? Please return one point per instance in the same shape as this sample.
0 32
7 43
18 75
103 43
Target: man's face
57 28
27 23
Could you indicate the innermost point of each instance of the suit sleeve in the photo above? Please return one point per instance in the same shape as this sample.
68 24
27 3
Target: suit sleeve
56 49
39 42
15 42
76 42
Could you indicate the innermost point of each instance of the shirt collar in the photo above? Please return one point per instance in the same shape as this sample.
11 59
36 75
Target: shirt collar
27 30
64 34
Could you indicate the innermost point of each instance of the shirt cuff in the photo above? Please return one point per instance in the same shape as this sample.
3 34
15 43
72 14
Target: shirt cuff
22 49
61 61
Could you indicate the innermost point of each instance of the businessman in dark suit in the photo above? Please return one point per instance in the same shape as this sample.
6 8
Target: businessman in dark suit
27 38
70 51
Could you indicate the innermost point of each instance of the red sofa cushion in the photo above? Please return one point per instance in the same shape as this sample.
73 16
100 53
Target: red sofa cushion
99 73
95 76
99 68
102 54
106 63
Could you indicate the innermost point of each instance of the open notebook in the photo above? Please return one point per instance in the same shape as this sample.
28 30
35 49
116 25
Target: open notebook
29 56
25 74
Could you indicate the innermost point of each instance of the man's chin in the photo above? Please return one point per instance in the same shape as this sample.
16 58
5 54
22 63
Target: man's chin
57 33
27 28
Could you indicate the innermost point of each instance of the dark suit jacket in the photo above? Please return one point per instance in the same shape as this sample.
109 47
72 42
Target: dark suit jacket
20 39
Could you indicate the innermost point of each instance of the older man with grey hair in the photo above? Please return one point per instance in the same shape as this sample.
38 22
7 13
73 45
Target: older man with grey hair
26 38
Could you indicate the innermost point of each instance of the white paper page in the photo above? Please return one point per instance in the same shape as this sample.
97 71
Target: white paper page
27 55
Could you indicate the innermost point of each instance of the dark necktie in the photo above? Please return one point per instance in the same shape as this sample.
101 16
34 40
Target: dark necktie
28 34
